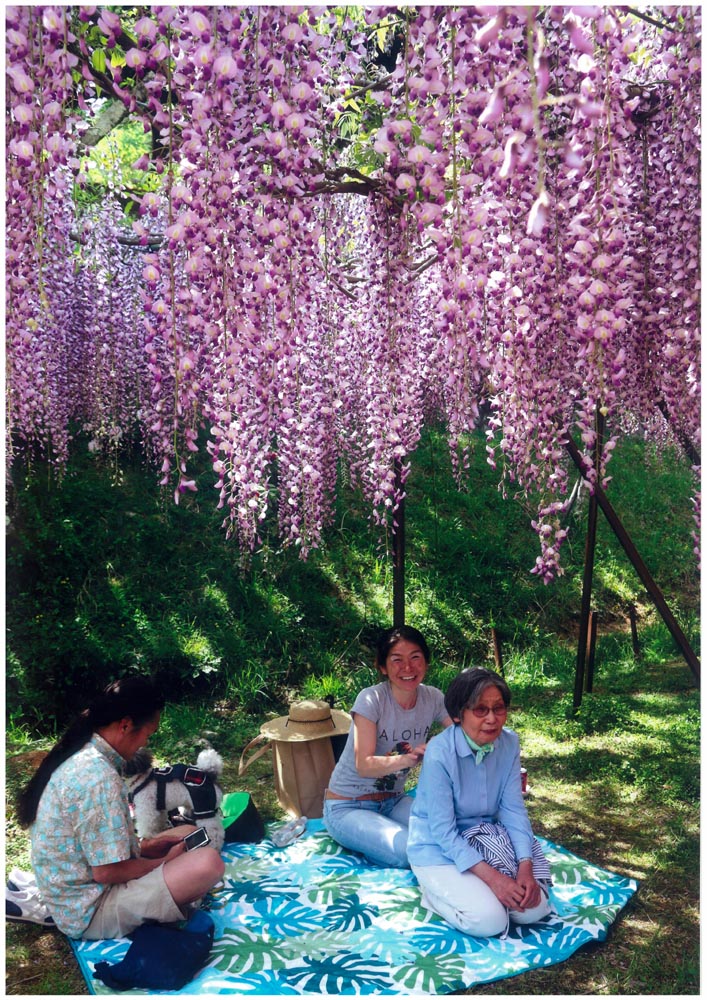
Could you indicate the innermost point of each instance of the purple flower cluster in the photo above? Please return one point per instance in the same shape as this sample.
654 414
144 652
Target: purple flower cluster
513 227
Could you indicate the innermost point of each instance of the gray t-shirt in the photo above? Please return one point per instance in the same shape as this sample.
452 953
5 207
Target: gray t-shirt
398 731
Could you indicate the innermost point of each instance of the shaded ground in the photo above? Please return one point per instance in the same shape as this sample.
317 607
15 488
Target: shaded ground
642 832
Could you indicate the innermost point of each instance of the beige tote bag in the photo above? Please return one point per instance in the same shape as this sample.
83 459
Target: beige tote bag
302 754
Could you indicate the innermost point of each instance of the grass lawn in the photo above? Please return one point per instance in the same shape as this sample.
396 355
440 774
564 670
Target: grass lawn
104 573
623 799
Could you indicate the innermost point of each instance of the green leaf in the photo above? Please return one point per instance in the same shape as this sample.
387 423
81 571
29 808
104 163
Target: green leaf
98 59
381 34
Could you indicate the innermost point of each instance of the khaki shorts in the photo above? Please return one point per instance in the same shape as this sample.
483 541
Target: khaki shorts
124 907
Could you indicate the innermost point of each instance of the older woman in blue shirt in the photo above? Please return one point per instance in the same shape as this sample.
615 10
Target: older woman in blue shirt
470 842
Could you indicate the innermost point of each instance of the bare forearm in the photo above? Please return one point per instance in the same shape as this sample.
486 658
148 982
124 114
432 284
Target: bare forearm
124 871
378 767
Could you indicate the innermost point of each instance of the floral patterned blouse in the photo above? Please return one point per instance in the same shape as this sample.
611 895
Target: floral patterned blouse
83 820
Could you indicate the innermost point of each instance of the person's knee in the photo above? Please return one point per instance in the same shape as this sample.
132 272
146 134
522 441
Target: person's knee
398 861
206 866
489 924
213 864
400 848
539 912
467 905
474 924
381 840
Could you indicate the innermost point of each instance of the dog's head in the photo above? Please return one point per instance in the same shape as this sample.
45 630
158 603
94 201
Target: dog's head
210 761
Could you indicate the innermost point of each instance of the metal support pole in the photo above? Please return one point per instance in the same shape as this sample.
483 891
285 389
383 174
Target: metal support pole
399 552
591 651
589 550
584 615
640 567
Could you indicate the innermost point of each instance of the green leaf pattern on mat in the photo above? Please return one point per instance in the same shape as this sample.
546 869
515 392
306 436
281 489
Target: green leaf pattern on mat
256 954
430 974
330 889
312 918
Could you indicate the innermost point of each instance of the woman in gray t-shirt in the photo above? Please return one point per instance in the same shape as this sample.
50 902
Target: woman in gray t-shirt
365 806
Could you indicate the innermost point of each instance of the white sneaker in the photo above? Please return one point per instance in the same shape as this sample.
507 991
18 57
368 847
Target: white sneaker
25 906
289 832
20 879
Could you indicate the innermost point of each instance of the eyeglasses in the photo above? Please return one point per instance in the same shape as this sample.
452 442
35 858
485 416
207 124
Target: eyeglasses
481 711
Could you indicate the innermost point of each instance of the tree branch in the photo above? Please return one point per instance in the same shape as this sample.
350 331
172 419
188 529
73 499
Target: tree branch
107 119
419 269
342 187
381 84
650 20
153 240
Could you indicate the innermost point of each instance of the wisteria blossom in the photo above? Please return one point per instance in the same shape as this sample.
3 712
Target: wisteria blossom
360 220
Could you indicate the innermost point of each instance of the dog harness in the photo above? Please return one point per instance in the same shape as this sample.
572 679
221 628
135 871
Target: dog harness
200 784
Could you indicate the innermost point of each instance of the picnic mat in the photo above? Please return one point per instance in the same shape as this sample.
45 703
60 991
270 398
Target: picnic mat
313 918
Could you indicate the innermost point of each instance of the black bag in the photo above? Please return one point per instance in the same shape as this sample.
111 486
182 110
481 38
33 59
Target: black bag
161 957
242 822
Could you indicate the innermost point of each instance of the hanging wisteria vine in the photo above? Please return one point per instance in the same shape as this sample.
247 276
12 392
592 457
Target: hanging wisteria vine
358 220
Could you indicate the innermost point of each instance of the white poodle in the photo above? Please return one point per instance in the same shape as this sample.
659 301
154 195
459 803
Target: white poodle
163 797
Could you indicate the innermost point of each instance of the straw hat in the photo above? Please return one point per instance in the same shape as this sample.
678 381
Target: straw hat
307 720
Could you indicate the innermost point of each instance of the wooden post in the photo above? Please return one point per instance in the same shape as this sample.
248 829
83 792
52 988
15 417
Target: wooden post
497 652
640 567
634 631
591 651
399 553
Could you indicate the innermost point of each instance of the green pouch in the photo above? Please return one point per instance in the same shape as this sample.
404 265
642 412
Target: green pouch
242 822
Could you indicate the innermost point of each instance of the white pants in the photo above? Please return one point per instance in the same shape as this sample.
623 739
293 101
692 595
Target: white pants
467 903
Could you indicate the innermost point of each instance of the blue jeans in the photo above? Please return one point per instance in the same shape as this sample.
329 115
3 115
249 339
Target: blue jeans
378 830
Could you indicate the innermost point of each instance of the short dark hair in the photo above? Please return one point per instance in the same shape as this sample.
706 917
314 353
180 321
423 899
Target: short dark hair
387 640
468 686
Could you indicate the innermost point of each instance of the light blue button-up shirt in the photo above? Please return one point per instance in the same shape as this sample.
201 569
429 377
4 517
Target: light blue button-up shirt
454 793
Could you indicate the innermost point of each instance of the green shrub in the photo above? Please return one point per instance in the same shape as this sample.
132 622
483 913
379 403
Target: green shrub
598 713
106 575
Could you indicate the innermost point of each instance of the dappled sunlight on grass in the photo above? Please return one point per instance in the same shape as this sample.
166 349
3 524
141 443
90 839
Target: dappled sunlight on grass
618 784
609 575
217 597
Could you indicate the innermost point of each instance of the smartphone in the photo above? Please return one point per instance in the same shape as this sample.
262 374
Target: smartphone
199 838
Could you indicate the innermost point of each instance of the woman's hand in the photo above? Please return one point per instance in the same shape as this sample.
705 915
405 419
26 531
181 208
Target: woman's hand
175 850
368 763
511 892
531 889
419 752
